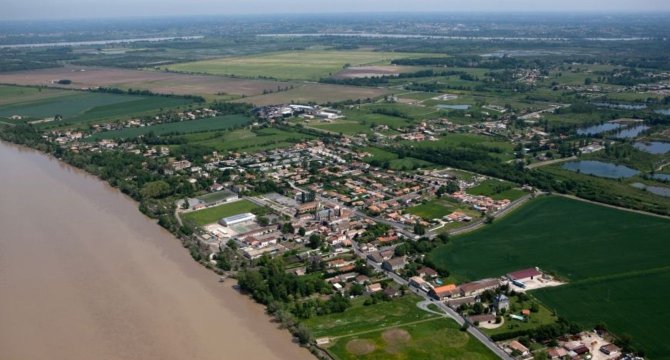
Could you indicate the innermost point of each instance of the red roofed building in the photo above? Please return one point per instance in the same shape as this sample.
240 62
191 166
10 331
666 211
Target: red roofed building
525 274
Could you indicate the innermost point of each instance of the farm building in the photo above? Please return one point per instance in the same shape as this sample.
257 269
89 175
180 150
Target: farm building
524 275
443 292
237 219
477 287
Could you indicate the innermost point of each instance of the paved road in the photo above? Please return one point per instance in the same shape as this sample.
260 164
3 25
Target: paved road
473 330
549 162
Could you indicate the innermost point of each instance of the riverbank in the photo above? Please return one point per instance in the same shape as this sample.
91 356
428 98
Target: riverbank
110 284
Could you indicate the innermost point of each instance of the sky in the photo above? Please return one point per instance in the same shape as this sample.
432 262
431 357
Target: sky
64 9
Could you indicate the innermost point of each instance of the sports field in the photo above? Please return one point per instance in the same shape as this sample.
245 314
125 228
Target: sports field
214 214
396 329
291 65
182 127
615 262
87 107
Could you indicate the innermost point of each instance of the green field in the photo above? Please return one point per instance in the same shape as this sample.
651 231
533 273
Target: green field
433 339
182 127
245 140
292 65
214 214
380 157
386 326
630 304
544 316
437 208
597 249
85 107
497 190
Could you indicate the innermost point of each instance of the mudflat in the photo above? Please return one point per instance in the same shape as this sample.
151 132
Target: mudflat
84 275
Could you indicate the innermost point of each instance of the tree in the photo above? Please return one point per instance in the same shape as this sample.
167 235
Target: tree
301 231
184 204
419 229
287 228
315 241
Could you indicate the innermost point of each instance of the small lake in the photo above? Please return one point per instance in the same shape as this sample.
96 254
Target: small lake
663 111
632 132
661 177
621 106
601 169
453 107
657 190
653 147
598 129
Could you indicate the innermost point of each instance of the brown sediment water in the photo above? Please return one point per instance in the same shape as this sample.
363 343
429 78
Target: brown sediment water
84 275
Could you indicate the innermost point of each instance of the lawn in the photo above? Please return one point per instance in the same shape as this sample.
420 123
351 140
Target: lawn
360 318
433 339
182 127
433 209
290 65
214 214
497 190
615 262
544 316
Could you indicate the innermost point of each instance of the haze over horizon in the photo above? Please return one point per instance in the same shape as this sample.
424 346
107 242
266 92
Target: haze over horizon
69 9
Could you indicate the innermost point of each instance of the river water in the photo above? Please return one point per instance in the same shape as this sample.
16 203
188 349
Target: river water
84 275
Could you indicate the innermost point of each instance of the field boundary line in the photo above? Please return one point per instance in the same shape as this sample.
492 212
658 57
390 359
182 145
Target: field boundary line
641 212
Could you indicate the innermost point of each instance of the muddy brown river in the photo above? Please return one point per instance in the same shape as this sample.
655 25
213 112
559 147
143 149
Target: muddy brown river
84 275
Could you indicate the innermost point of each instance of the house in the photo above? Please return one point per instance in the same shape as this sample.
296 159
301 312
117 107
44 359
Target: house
394 264
362 279
419 282
375 257
308 207
443 292
391 292
477 287
501 302
524 275
180 165
373 288
518 347
556 353
482 318
427 272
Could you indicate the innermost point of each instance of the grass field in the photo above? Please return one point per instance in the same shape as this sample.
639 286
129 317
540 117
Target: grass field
497 190
292 65
395 163
86 107
544 316
317 93
245 140
214 214
397 329
615 262
438 208
182 127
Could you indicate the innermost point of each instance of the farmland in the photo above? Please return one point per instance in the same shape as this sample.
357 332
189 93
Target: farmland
214 214
604 253
85 107
293 65
318 93
497 190
391 160
182 127
395 329
155 81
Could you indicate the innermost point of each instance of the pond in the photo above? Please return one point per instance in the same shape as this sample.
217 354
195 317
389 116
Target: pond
661 177
632 132
598 129
663 111
653 147
454 107
658 190
601 169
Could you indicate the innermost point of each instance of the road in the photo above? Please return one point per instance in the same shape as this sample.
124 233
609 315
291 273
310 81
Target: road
549 162
473 330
